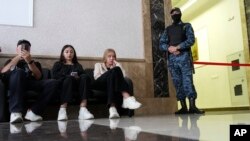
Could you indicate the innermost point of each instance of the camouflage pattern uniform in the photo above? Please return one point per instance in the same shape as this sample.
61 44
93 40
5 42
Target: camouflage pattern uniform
181 65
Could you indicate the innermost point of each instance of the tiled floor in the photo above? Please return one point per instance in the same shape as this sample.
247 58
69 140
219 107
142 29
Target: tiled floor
213 126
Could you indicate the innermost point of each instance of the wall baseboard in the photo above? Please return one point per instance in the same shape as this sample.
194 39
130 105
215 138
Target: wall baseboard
227 109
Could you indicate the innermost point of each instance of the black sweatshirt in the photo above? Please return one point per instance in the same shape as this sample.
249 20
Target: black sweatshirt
61 70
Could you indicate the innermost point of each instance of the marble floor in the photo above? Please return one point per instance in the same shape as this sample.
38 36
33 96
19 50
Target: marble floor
213 126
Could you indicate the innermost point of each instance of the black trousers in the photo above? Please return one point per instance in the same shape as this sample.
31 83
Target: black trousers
72 87
19 84
113 82
2 88
3 107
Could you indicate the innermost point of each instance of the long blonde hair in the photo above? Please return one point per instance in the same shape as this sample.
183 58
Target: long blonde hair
106 53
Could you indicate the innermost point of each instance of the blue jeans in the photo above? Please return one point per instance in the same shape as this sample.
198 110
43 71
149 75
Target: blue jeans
19 83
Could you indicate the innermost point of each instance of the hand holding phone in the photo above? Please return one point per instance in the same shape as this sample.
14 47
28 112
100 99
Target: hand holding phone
75 74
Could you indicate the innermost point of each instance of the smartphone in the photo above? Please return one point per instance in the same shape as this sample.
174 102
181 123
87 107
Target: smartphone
25 47
74 74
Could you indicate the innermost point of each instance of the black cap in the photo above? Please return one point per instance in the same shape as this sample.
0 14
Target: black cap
175 9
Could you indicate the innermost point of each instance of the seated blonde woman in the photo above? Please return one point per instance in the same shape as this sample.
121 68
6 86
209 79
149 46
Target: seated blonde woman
109 75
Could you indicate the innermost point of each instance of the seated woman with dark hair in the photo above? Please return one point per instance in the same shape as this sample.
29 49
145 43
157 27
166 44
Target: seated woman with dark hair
109 75
73 78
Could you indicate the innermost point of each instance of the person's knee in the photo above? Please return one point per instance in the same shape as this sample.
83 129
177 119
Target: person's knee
116 70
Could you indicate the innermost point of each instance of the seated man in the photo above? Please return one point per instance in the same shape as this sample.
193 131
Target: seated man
21 74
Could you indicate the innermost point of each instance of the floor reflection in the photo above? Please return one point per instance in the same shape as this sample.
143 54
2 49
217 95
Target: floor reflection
188 125
211 126
75 130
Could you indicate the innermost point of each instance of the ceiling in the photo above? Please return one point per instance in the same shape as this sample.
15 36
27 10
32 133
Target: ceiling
197 8
178 3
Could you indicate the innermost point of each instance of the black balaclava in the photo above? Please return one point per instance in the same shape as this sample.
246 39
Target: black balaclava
176 17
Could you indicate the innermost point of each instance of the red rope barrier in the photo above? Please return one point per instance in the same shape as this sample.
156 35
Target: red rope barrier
220 64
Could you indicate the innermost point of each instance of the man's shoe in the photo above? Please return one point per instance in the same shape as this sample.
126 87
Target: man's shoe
85 114
113 113
62 114
32 116
131 103
193 109
16 117
182 111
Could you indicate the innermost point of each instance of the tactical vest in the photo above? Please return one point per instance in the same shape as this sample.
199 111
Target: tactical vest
176 34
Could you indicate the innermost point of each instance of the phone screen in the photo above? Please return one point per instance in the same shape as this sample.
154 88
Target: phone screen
74 74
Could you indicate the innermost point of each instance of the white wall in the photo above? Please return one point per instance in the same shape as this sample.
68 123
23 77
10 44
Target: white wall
90 26
224 37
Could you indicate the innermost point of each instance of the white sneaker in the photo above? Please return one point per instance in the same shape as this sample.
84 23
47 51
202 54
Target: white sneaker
62 114
85 114
113 113
85 124
16 117
113 123
62 126
16 128
131 103
30 127
132 132
32 116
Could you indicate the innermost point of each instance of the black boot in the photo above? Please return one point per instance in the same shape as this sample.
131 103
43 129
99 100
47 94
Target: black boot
183 109
193 109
